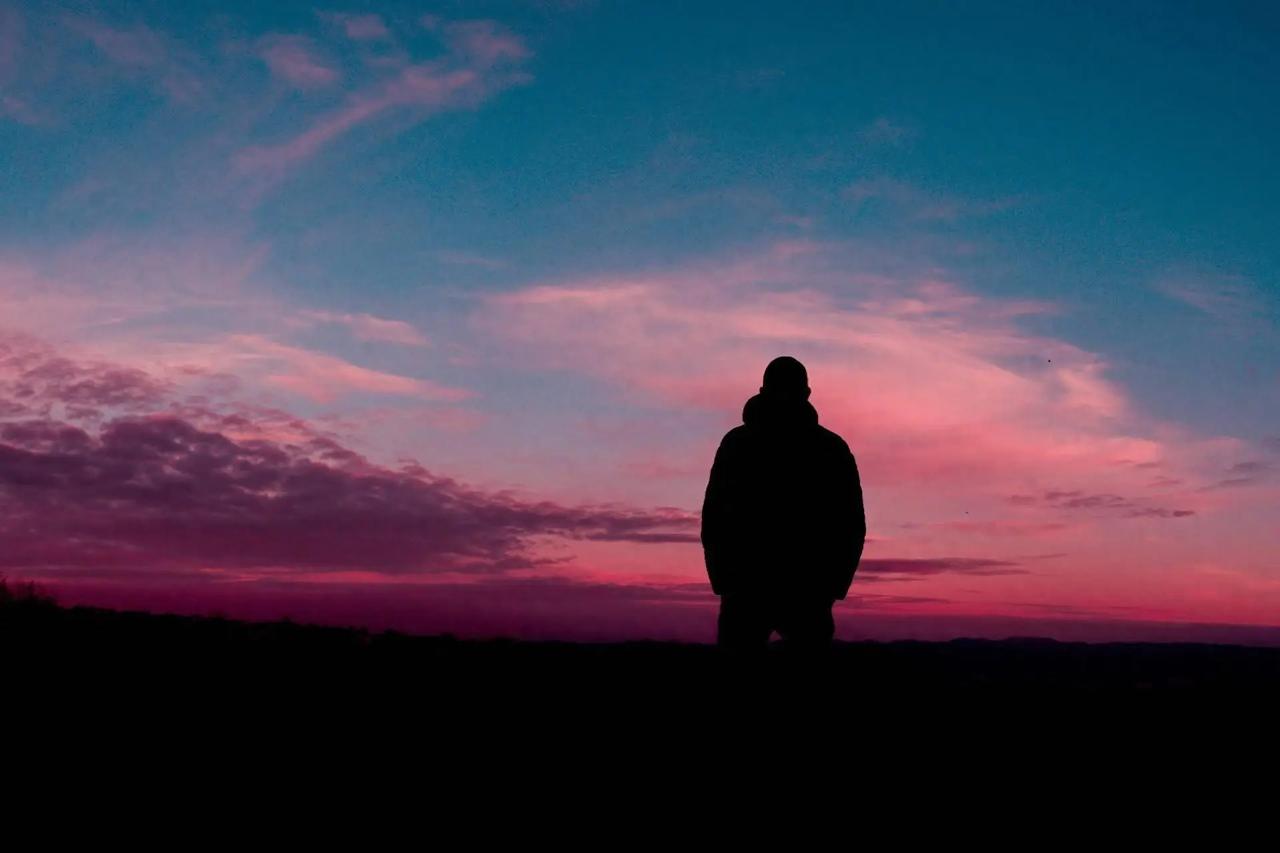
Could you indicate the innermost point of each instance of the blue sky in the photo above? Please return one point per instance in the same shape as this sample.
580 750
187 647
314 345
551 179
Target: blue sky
1130 146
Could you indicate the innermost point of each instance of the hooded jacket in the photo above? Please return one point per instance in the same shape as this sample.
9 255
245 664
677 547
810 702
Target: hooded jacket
783 510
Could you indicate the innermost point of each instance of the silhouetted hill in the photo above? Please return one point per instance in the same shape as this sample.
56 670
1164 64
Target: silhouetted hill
39 635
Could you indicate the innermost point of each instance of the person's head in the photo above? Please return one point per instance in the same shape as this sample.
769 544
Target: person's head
786 377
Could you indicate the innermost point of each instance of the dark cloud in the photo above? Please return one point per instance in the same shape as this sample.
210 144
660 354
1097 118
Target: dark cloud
104 469
1076 611
1241 474
871 601
36 381
911 568
160 491
1105 503
1165 482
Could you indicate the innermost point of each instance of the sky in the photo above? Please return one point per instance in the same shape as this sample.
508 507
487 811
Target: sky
432 316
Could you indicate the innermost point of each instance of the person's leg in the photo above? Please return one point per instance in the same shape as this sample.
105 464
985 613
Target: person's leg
807 627
743 628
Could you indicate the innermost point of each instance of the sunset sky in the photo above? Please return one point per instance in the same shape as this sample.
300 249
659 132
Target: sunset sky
432 316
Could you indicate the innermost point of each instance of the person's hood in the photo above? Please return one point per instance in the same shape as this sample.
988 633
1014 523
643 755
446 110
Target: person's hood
772 410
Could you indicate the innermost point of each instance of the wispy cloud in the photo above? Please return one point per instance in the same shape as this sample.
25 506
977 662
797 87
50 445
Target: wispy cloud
367 27
16 108
296 60
469 259
318 375
932 380
487 44
885 131
1232 301
1242 474
12 105
192 310
367 327
12 27
139 49
483 59
920 204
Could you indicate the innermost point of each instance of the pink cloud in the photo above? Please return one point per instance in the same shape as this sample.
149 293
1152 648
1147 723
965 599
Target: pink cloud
295 60
189 314
1007 528
315 375
104 283
951 405
932 383
367 327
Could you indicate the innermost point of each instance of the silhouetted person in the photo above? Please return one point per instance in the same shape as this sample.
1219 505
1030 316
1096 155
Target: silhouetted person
783 525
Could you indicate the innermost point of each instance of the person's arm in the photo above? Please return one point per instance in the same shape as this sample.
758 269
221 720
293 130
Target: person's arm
716 514
853 525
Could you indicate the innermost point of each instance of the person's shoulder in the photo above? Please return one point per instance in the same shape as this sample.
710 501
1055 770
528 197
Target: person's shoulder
834 440
735 435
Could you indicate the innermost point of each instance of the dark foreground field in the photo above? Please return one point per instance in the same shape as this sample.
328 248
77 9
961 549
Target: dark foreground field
41 636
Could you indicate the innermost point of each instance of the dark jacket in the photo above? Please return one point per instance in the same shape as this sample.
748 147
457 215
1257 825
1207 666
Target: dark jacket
783 509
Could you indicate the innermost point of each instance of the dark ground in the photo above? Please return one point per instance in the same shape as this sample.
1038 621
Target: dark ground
40 636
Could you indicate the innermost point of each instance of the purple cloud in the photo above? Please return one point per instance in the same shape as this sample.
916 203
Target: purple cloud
172 485
159 492
1102 502
34 380
1241 474
914 568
